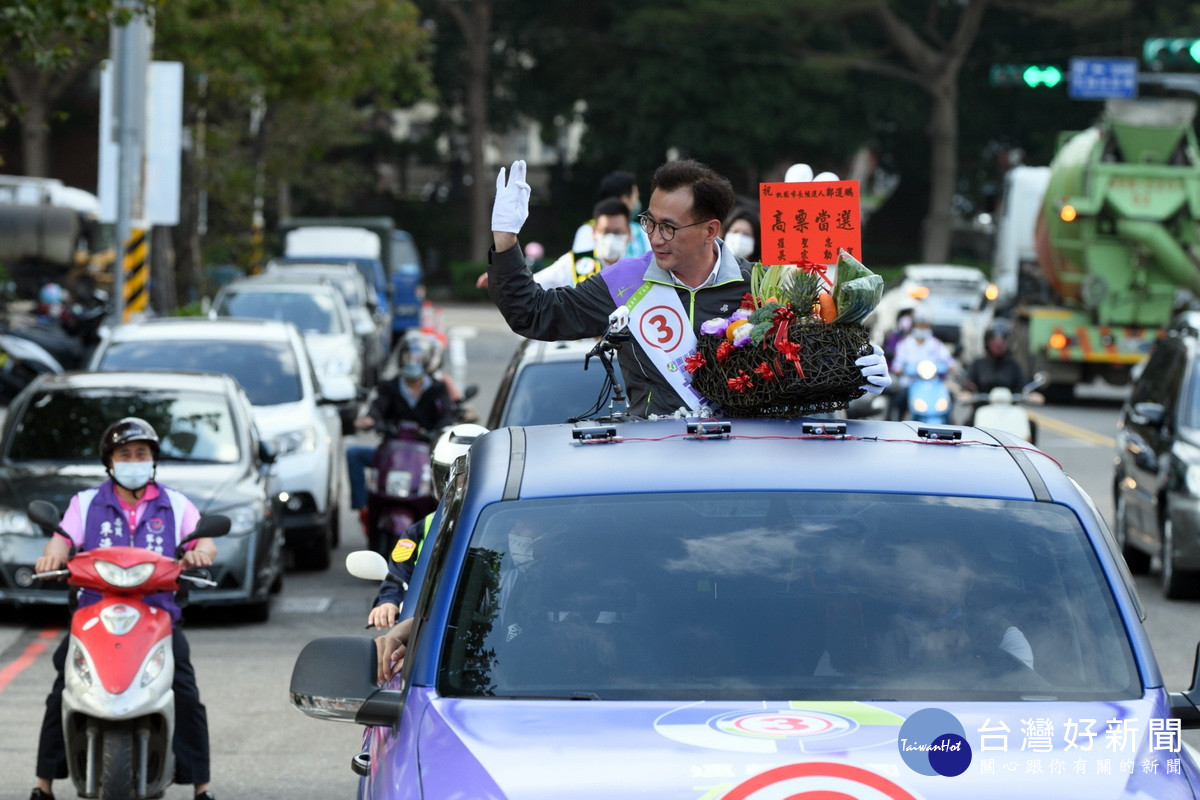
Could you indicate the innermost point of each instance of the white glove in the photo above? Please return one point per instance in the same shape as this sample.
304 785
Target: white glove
802 173
874 371
511 208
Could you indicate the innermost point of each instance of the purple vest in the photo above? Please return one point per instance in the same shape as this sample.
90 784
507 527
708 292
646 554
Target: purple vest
105 525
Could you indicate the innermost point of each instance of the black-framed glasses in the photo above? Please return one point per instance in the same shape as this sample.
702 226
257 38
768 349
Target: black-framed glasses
649 224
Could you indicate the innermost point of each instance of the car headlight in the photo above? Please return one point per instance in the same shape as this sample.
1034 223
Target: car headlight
243 518
124 577
13 521
298 441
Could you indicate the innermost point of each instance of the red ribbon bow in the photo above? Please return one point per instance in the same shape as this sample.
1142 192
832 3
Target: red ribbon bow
740 383
816 269
790 350
694 362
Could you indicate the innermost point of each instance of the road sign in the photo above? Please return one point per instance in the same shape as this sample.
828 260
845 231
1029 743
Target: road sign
1102 78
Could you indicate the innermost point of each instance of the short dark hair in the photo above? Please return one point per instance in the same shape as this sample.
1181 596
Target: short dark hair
616 184
712 194
610 207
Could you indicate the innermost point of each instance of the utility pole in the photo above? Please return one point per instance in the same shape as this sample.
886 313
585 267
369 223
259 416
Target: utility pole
130 56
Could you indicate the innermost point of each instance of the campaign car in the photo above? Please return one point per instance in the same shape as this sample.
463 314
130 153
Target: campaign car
762 609
209 449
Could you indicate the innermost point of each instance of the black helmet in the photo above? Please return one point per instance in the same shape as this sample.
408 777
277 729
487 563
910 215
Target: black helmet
123 431
998 329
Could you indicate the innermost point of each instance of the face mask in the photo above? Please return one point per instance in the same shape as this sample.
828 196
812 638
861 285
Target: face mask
610 247
739 244
921 333
412 370
133 475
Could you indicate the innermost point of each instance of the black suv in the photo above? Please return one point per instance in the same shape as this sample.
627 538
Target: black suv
1156 477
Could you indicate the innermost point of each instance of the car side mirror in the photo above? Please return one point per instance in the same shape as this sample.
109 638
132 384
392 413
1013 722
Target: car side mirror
1184 705
45 515
334 679
1149 413
471 390
266 452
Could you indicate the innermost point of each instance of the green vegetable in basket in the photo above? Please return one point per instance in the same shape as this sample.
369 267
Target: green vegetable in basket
858 290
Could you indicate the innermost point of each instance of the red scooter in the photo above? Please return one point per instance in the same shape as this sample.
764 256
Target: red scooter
118 705
399 485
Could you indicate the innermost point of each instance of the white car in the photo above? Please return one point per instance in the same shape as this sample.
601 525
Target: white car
947 293
318 311
292 408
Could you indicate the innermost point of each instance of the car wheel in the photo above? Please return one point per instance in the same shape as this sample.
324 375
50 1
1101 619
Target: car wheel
1137 561
1176 583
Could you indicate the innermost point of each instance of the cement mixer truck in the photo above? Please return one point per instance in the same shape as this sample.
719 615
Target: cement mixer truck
1117 242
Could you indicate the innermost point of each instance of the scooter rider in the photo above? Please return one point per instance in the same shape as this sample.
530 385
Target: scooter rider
689 276
997 368
131 509
413 395
450 445
920 345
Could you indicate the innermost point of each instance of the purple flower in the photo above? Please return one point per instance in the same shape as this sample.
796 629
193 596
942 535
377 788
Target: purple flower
741 337
715 327
741 313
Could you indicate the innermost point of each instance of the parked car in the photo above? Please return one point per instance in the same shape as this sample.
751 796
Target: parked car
370 319
948 293
545 382
1156 476
762 608
294 409
318 312
210 450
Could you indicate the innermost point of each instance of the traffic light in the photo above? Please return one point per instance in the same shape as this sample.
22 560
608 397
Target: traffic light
1035 76
1165 51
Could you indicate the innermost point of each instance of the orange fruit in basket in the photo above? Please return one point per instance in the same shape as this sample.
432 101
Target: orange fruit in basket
731 331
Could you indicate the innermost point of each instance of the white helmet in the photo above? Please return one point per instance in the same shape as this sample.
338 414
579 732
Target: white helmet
454 442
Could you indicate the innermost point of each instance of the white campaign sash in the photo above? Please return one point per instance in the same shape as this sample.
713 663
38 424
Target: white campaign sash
660 324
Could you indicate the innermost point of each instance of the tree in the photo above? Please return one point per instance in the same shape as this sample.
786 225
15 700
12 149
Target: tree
48 45
316 69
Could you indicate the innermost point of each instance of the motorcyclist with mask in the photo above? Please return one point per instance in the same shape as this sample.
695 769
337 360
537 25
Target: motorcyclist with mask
919 345
611 233
997 368
131 509
412 395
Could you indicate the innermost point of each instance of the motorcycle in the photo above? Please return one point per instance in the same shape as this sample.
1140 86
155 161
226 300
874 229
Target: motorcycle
21 360
1002 410
71 338
118 705
399 484
928 395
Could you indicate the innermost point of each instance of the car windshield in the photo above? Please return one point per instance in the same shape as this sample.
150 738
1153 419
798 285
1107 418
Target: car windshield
554 392
66 425
346 283
268 371
308 311
739 595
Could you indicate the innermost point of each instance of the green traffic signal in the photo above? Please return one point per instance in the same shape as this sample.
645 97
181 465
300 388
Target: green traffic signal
1172 51
1035 76
1032 75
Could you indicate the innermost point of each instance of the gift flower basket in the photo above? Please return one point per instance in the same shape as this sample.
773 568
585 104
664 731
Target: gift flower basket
790 349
